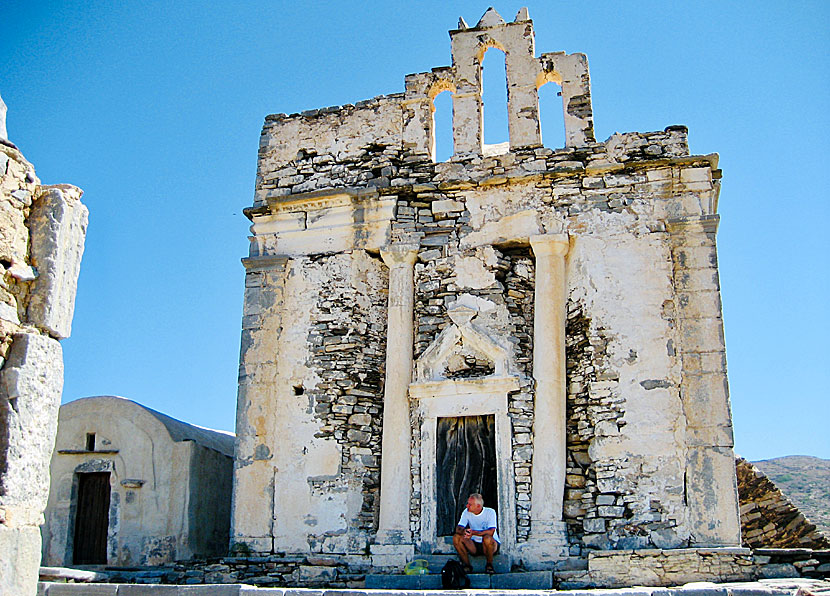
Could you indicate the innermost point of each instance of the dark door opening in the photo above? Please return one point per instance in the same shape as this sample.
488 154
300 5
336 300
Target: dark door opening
466 464
92 519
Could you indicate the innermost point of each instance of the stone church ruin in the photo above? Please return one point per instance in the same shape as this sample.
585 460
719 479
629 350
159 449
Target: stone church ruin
542 325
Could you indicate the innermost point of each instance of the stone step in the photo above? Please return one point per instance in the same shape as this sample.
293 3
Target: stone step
501 563
527 580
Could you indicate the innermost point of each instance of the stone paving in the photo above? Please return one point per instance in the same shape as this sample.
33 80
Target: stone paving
771 587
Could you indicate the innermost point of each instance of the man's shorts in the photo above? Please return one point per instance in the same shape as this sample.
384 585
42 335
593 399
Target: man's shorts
480 548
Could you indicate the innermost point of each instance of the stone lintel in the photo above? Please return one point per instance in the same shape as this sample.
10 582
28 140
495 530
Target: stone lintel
432 389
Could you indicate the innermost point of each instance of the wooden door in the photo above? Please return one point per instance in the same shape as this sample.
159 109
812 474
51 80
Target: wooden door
466 464
92 519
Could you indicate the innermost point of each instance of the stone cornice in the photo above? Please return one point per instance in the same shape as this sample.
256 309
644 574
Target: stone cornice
264 263
708 223
321 199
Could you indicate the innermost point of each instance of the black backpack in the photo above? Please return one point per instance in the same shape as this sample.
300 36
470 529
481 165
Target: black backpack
453 576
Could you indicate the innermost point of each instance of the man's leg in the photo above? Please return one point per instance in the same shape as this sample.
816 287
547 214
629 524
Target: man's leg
490 548
463 546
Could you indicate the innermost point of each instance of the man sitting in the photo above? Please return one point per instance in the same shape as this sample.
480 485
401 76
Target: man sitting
476 533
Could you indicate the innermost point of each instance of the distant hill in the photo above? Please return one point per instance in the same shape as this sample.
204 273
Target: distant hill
805 480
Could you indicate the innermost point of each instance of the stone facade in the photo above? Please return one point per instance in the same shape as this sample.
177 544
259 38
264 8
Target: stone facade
42 230
166 487
571 294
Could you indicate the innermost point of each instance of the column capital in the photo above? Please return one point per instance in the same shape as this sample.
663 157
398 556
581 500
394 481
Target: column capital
396 255
545 245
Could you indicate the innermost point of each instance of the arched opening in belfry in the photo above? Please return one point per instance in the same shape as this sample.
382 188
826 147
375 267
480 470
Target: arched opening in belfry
551 115
494 97
442 126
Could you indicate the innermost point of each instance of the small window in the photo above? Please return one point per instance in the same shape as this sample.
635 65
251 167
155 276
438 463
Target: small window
90 441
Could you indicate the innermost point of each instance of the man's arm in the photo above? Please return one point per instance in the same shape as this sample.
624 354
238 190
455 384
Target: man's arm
487 532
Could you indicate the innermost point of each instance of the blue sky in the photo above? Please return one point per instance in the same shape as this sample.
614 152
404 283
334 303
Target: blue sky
155 108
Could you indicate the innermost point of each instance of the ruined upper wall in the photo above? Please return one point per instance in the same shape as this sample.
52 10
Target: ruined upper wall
380 143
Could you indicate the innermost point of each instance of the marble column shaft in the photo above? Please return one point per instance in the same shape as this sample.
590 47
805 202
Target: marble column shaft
395 481
549 429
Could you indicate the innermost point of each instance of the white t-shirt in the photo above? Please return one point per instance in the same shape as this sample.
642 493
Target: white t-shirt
483 521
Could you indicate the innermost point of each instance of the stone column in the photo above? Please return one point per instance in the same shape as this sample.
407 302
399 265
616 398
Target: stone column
395 479
548 474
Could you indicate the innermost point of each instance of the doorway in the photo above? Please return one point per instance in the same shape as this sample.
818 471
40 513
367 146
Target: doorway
465 464
92 519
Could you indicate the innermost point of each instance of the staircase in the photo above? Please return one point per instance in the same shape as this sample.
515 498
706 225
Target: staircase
504 578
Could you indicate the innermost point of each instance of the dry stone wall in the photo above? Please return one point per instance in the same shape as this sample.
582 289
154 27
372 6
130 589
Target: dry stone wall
42 231
768 518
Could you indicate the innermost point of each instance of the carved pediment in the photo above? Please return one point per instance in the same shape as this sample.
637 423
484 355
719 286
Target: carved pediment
463 350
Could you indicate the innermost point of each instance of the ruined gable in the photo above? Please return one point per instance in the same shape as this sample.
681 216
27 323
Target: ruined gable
567 299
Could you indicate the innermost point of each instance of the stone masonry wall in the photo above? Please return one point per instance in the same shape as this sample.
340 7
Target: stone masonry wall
348 349
461 253
42 231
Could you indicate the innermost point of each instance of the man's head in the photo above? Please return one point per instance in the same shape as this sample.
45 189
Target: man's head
475 503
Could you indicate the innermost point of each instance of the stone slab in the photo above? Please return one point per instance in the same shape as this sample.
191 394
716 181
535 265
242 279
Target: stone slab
759 588
31 382
531 580
19 554
82 589
420 582
501 563
147 590
57 225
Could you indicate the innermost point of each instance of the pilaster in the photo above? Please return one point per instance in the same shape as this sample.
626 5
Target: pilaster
251 521
710 462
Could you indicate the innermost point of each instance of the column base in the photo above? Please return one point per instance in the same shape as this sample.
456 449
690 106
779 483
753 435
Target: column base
548 544
393 537
391 555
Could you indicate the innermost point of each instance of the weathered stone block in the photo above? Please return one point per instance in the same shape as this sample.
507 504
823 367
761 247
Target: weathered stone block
712 496
31 382
701 335
706 399
81 589
19 559
58 223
